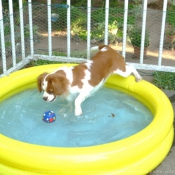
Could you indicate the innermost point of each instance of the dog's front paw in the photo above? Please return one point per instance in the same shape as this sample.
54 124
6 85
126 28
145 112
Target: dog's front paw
78 112
139 79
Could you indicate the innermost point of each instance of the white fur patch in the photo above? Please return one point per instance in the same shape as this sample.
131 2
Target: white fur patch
88 64
104 49
87 77
50 97
69 74
44 85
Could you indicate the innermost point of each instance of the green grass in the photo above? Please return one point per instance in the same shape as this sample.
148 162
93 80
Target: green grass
164 80
40 62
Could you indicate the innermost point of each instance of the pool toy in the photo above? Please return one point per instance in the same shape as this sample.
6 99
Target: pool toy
49 117
135 155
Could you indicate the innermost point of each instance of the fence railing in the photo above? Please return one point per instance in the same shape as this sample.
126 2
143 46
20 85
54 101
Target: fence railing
65 33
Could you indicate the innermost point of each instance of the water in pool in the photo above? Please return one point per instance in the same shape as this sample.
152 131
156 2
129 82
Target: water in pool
108 116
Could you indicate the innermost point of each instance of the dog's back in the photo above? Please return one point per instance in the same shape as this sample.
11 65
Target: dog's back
105 62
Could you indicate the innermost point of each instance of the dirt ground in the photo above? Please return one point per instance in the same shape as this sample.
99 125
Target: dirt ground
153 25
59 40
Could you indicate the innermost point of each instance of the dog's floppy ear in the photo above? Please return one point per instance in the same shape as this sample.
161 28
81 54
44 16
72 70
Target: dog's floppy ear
40 81
60 84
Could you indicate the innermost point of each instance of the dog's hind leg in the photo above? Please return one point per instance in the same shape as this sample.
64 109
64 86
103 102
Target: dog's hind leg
129 70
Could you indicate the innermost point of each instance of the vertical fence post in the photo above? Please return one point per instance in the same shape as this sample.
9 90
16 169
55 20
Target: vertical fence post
162 32
125 28
68 28
31 28
12 32
22 29
106 21
143 31
88 28
49 28
2 40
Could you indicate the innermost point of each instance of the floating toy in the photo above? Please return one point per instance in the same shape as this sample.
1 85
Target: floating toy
49 117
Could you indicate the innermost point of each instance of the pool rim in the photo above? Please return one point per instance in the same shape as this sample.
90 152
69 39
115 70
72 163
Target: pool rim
110 157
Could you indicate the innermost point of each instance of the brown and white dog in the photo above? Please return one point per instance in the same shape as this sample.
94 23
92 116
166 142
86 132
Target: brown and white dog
84 79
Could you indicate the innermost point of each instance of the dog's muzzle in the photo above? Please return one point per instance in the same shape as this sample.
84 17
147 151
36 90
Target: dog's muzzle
49 100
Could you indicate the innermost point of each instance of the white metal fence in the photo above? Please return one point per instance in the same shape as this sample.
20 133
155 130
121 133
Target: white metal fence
65 33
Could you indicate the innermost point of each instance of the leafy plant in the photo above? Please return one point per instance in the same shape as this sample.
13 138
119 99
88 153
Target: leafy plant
164 80
7 30
78 19
135 35
137 8
15 4
27 31
79 22
98 31
170 17
170 30
7 44
115 14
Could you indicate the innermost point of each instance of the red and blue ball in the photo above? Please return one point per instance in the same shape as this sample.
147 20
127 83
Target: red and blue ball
49 117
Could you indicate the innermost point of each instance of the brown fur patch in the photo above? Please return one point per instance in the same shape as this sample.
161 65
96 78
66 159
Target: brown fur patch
104 63
78 75
57 83
40 81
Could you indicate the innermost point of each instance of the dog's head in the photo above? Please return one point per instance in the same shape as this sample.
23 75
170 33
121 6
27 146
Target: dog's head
52 85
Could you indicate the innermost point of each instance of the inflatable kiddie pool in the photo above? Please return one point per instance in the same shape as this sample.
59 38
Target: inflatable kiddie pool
137 154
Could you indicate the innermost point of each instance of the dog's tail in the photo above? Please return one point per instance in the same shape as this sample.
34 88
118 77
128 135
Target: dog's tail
95 49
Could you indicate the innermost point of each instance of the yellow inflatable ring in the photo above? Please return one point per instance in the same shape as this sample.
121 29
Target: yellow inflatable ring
138 154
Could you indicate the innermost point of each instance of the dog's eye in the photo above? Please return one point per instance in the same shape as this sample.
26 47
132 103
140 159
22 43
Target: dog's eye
50 91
